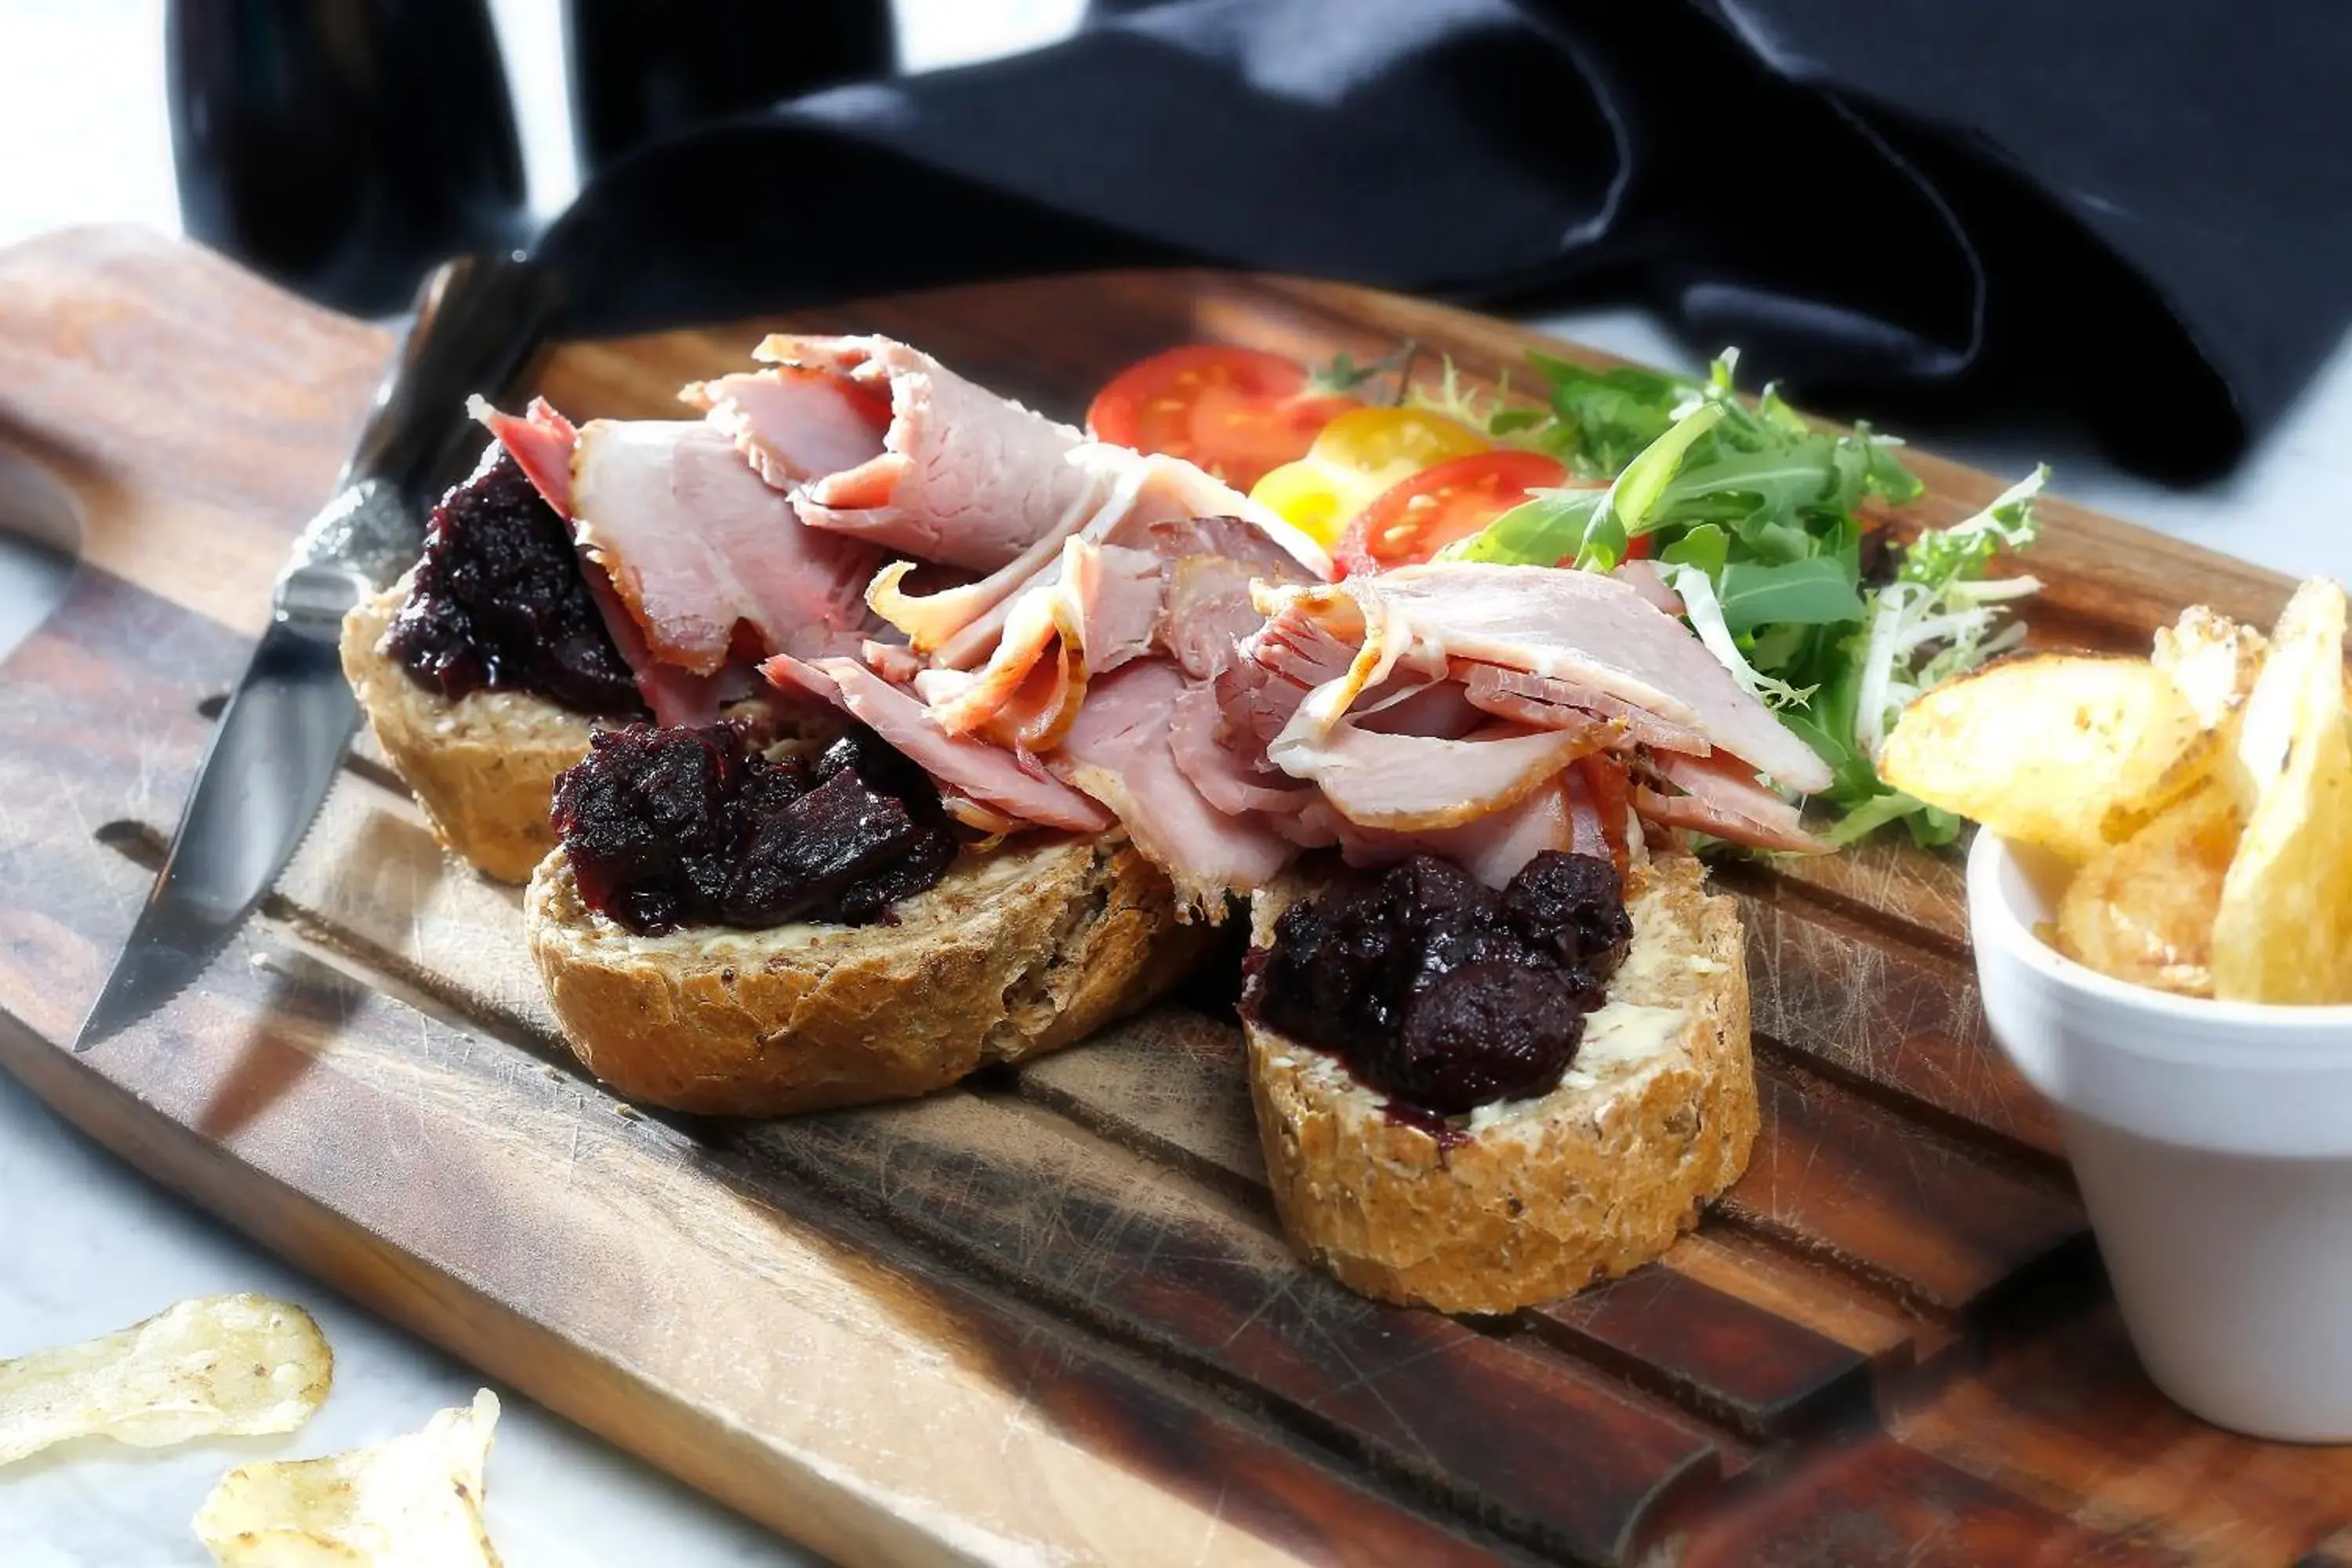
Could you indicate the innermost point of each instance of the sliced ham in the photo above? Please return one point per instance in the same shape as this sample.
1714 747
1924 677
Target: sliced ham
1492 848
1603 799
540 441
1545 701
696 544
676 696
1221 773
892 661
958 625
1041 619
959 475
1418 784
1120 605
794 422
987 773
1135 501
1121 753
1645 578
1207 613
1597 631
1410 705
1726 802
1243 540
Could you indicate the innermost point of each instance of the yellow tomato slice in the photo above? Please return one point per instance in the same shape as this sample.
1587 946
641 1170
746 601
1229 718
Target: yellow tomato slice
1386 444
1356 457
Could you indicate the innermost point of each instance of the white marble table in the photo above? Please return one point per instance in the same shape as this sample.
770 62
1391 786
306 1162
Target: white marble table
86 1245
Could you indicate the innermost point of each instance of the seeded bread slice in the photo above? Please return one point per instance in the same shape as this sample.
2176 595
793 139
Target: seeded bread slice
1540 1198
483 767
1019 951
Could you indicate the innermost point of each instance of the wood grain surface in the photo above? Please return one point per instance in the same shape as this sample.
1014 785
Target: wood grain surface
1047 1317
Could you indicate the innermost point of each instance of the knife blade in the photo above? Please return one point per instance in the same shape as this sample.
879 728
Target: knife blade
291 719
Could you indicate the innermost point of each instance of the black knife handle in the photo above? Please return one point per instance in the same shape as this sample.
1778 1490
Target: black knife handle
479 322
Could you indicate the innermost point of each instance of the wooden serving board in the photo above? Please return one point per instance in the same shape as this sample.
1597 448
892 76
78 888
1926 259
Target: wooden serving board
1046 1317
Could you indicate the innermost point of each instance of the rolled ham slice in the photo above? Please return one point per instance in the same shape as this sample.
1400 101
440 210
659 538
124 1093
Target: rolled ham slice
972 767
794 422
696 544
957 475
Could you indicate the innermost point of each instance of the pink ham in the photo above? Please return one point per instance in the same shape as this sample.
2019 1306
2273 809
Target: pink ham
1130 496
793 423
697 545
1223 776
1246 541
987 773
1726 802
677 696
1119 605
1594 630
540 441
892 661
1546 701
1492 848
1099 611
1206 612
959 475
541 445
1418 784
1120 752
1645 578
1410 705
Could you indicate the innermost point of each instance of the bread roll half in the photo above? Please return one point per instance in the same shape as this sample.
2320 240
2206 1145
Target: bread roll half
483 767
1020 950
1540 1197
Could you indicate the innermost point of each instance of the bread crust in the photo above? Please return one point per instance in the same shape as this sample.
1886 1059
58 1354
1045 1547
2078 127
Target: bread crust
483 767
1020 950
1586 1184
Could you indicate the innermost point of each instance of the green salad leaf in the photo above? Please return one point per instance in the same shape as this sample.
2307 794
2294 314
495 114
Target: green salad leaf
1758 521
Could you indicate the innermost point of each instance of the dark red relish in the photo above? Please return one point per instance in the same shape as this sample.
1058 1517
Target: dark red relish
499 603
694 826
1439 992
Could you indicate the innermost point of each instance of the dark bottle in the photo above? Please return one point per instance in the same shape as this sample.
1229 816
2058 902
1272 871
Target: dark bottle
643 69
343 147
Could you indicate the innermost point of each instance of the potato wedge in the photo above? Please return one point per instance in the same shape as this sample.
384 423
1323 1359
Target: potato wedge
2071 752
2142 910
2283 929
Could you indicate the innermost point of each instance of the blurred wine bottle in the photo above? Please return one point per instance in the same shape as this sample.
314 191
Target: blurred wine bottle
647 69
343 147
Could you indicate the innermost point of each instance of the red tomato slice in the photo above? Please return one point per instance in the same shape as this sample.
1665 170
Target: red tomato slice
1235 412
1420 515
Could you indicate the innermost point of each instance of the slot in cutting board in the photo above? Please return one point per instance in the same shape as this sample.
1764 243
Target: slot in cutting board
1047 1317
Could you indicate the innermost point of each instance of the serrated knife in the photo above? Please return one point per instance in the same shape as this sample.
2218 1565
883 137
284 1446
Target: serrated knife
480 321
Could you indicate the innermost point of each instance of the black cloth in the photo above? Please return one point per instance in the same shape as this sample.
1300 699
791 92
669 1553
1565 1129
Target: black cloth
2135 214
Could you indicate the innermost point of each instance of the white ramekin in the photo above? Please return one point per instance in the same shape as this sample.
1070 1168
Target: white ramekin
2213 1145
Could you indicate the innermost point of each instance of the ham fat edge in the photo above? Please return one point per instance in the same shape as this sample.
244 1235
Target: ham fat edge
1073 635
